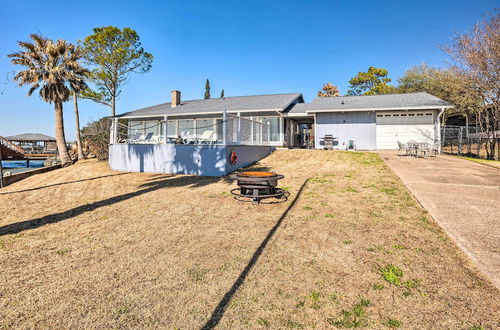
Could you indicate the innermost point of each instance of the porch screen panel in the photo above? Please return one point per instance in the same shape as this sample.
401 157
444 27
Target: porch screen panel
274 127
204 125
172 129
152 127
218 130
186 129
135 129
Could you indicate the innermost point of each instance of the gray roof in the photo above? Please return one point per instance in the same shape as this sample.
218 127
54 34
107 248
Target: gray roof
30 137
277 102
299 108
375 102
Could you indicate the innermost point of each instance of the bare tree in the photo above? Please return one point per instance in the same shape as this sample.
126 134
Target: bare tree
477 59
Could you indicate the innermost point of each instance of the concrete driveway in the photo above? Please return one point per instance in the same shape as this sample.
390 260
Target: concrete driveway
463 197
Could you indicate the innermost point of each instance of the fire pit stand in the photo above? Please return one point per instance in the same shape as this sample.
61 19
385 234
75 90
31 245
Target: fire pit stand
255 186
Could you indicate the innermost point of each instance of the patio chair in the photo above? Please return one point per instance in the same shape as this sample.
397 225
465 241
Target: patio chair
206 137
133 139
412 148
423 149
147 139
433 149
403 147
188 138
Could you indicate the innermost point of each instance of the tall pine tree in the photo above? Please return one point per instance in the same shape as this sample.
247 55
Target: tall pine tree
207 89
222 94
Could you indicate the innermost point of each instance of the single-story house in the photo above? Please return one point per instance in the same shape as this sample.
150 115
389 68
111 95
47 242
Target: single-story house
371 121
263 121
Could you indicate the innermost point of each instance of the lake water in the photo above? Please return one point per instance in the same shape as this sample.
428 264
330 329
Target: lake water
14 166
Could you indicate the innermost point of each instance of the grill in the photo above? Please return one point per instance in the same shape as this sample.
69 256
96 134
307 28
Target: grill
255 186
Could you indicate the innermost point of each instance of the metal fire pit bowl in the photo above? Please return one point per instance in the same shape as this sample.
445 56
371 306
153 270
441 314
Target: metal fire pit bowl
255 186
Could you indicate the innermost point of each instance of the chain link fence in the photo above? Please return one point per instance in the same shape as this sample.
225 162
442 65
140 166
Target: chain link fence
467 142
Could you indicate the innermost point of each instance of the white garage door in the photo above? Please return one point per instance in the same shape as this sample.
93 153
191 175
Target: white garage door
404 126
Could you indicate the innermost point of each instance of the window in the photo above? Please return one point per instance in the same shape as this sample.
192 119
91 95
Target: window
135 128
152 127
204 125
274 127
186 128
403 115
428 114
395 115
411 115
218 130
420 114
379 115
172 128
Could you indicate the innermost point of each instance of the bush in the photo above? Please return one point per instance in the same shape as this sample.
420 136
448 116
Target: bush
95 136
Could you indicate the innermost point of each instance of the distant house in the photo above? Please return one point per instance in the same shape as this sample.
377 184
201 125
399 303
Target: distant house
34 142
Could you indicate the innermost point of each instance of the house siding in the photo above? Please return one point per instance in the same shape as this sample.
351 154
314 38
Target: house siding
205 160
345 126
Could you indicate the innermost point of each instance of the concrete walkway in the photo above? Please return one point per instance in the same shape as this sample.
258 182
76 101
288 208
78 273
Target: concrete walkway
463 197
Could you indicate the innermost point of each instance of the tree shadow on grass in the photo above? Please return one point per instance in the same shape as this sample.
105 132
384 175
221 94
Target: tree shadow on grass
60 184
219 311
163 182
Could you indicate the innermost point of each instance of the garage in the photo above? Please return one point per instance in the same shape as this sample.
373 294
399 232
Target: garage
404 126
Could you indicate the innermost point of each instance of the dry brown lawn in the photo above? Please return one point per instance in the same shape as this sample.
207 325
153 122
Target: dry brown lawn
86 247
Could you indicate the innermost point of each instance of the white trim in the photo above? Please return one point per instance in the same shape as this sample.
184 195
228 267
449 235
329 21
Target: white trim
386 109
296 114
198 113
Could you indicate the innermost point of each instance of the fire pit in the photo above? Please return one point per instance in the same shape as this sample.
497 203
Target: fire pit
254 186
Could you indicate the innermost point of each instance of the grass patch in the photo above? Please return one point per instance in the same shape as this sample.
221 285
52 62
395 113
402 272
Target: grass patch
197 275
353 318
307 208
489 162
263 322
62 251
329 215
392 274
351 190
392 323
389 191
347 242
378 286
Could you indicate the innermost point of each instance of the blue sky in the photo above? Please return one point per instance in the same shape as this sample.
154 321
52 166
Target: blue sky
246 47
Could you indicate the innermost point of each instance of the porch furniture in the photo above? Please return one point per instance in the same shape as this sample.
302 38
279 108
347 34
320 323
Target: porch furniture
351 145
133 139
206 137
188 138
147 139
403 147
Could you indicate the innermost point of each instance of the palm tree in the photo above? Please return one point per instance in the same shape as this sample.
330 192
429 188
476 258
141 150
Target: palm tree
52 67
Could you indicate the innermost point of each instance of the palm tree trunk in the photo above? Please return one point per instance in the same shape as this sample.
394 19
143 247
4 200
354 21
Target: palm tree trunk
81 156
60 138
